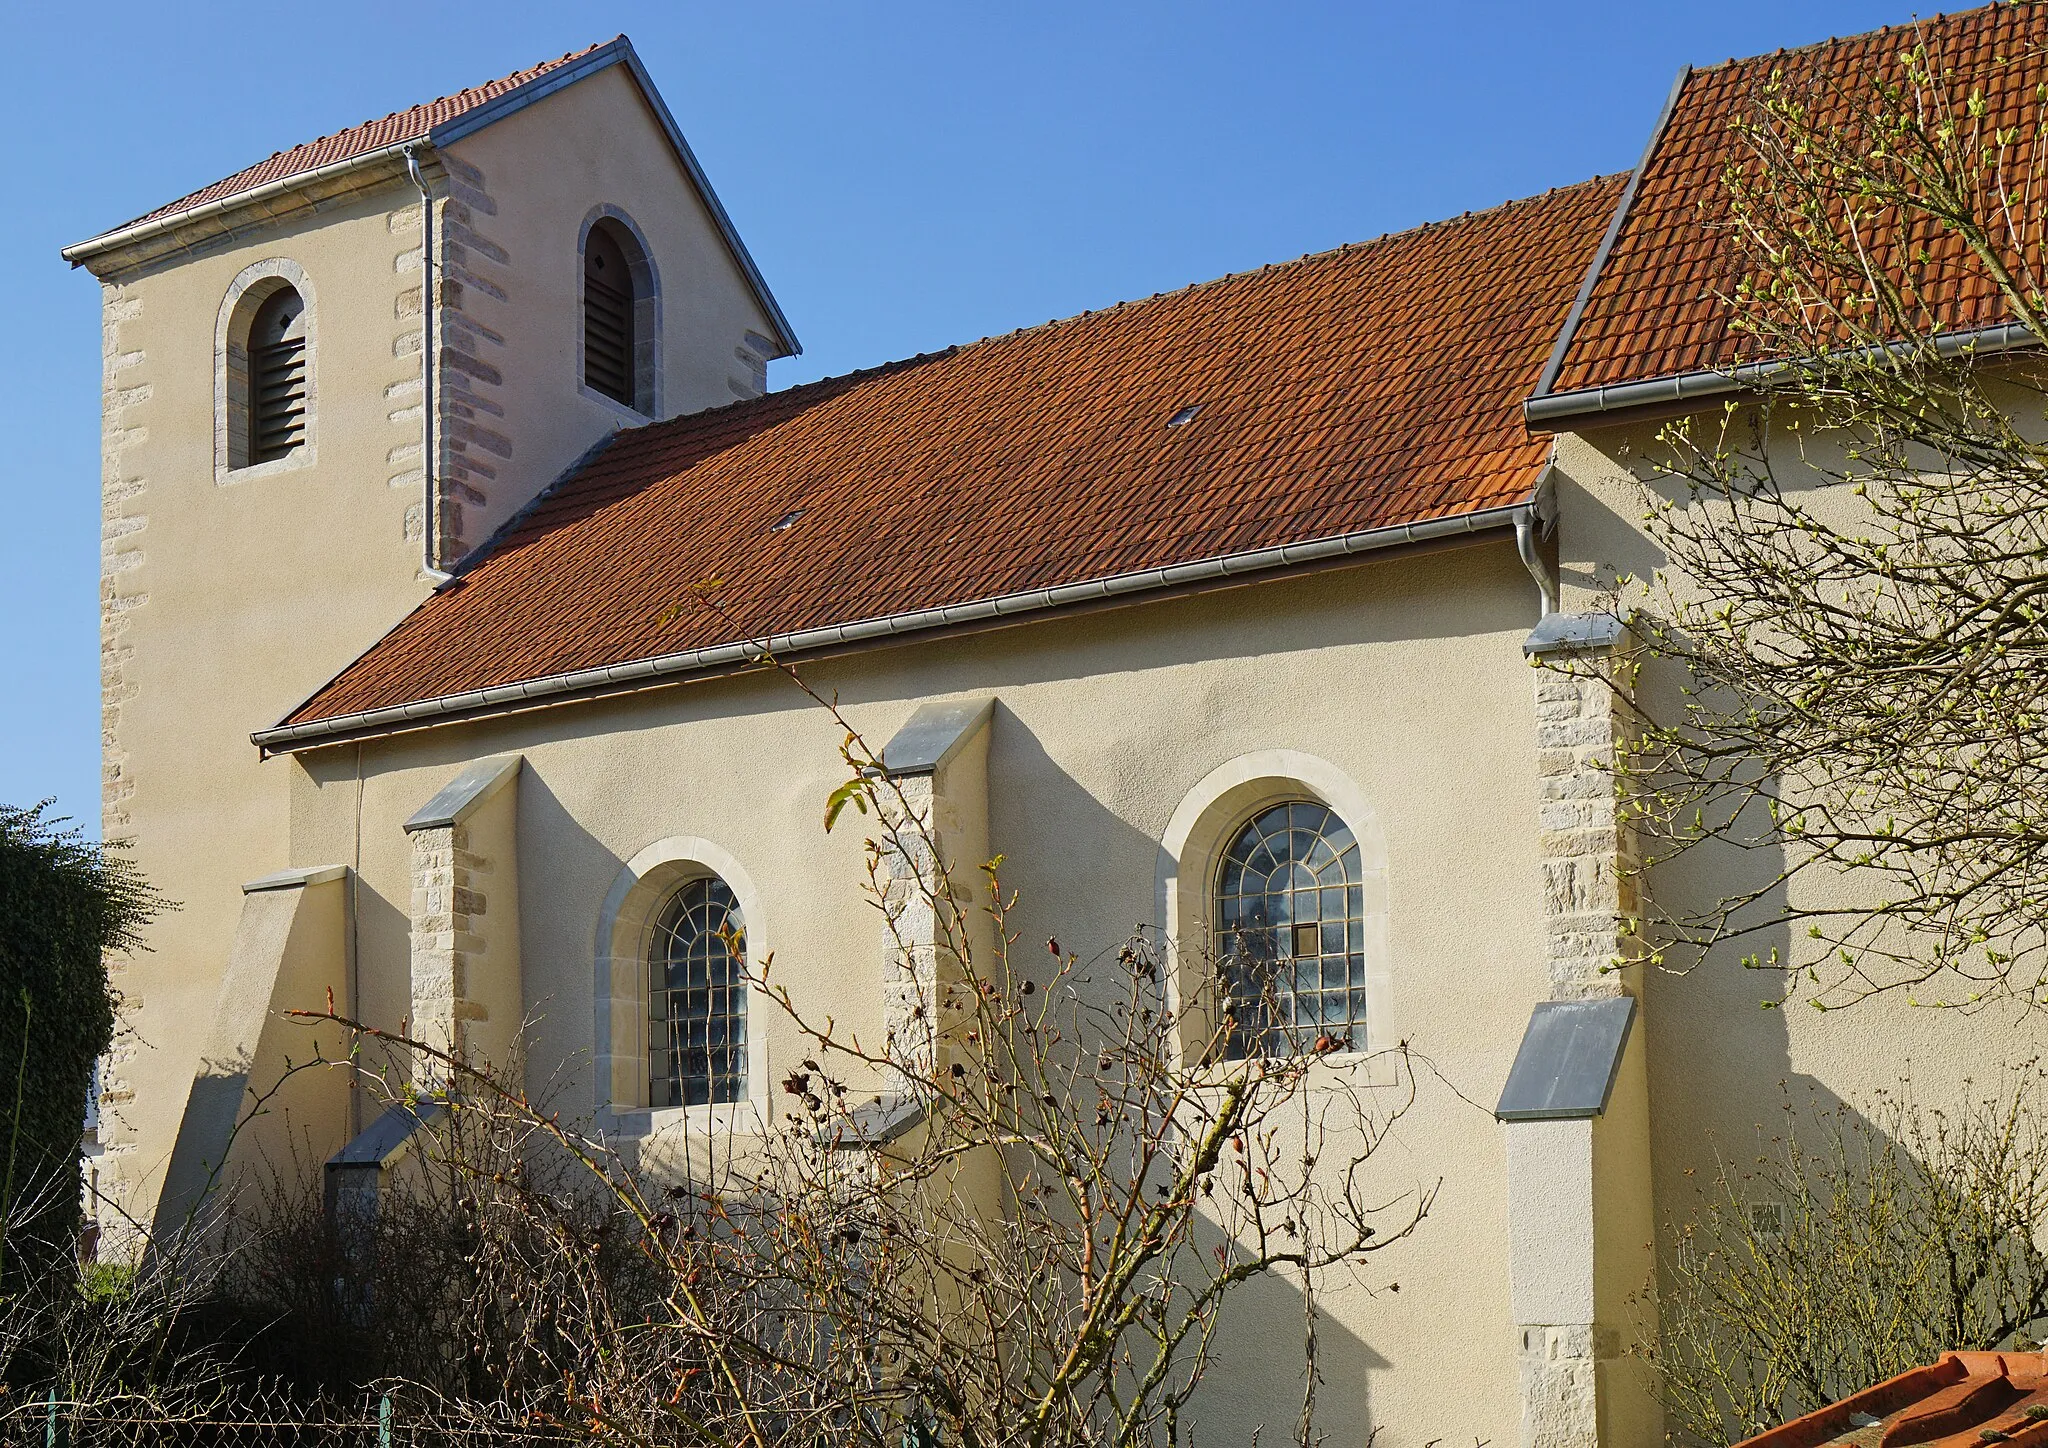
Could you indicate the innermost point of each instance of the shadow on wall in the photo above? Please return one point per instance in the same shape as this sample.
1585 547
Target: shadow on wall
1740 1067
1085 875
1082 874
1812 1237
1255 1392
1090 895
1843 1248
561 1006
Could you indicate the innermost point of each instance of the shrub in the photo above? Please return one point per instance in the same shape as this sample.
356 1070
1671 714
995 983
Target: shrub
64 903
1853 1247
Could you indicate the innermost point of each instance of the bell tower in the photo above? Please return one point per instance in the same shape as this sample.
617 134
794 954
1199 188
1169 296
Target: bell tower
326 380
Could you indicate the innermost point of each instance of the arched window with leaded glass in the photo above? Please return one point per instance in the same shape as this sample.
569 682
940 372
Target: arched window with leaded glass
697 998
1290 933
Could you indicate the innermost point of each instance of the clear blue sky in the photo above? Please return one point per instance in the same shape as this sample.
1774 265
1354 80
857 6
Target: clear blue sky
907 174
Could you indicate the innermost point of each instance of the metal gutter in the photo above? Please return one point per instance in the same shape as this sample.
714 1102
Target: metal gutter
1555 362
78 253
615 52
643 673
1548 412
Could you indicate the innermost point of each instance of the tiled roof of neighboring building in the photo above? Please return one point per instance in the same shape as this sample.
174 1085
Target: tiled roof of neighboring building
1656 309
1966 1400
411 124
1372 386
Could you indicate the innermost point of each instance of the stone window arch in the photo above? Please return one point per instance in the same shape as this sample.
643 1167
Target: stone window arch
265 372
659 923
1221 822
618 341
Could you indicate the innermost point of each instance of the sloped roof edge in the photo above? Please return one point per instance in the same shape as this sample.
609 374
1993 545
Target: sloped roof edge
1555 363
743 258
618 51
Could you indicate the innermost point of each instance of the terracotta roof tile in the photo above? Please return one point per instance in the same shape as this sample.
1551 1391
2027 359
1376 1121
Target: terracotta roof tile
1369 386
1656 310
1966 1400
406 125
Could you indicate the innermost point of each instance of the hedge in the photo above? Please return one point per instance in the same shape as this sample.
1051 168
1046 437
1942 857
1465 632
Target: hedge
65 903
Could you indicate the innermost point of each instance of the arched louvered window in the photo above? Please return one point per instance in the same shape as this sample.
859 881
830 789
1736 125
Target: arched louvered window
609 357
277 376
697 998
1290 925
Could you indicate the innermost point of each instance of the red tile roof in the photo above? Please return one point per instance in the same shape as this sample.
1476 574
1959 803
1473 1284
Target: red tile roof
1370 386
407 125
1966 1400
1656 310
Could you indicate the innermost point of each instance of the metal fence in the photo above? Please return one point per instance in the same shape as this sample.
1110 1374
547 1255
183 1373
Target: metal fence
256 1420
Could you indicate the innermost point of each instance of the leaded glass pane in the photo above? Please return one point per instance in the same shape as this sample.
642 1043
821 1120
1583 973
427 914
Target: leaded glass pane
1288 982
697 998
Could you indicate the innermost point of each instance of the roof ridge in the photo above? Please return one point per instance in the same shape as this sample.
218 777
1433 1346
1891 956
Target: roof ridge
861 374
465 99
1939 17
431 102
1385 238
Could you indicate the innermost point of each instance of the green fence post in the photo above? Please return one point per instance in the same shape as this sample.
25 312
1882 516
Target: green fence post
50 1425
384 1421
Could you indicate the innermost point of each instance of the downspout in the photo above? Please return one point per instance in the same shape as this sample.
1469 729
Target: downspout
429 454
1530 527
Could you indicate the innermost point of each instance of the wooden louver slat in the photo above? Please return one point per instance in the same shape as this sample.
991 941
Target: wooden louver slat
608 339
609 294
278 378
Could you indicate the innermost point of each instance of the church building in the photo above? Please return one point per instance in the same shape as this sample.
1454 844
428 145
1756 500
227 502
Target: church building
449 515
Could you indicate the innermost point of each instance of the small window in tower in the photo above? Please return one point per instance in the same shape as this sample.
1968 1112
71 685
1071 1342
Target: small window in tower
277 377
608 297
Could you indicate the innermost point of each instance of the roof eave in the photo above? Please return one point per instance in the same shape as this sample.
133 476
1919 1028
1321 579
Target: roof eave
1634 401
224 209
579 684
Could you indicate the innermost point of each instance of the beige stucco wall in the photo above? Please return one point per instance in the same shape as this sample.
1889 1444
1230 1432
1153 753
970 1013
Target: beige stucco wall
229 596
1722 1065
521 194
1103 725
225 603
